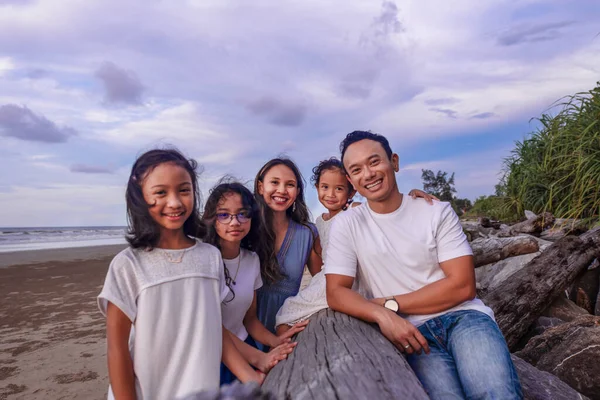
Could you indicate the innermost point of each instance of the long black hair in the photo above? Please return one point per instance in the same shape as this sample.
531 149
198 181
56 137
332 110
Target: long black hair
265 248
142 230
209 216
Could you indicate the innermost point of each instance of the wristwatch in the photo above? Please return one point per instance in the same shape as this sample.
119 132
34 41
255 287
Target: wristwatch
391 304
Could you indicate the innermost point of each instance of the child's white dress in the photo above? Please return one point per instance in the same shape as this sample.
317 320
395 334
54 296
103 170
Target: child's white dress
313 298
173 298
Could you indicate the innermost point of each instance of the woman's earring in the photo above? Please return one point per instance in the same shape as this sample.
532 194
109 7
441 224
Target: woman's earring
294 207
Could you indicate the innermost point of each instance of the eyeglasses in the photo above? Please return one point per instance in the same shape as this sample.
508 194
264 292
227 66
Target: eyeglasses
226 218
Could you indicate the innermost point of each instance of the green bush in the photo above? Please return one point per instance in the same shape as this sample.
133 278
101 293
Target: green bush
494 207
557 168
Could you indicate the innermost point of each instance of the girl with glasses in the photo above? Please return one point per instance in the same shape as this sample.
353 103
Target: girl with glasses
162 294
229 213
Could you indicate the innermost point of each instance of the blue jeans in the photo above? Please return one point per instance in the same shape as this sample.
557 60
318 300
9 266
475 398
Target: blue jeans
469 359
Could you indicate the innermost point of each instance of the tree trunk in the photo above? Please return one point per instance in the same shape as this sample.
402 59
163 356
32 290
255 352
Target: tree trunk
520 300
340 357
489 250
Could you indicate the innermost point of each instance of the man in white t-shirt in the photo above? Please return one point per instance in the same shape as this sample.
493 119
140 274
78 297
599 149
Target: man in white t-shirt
415 263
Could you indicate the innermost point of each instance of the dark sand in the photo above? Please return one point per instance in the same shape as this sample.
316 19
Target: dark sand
52 336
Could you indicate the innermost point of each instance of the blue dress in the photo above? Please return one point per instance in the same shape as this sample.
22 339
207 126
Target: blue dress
292 257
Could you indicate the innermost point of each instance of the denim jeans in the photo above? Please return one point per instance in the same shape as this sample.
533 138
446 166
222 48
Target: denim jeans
469 359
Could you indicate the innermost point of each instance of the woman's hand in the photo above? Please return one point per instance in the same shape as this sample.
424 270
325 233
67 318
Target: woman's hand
285 336
270 359
419 193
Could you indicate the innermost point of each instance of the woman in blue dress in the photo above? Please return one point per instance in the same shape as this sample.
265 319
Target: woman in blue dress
288 240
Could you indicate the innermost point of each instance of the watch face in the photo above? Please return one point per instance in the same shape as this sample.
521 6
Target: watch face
391 305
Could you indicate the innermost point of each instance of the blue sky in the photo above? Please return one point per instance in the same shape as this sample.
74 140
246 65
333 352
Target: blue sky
85 86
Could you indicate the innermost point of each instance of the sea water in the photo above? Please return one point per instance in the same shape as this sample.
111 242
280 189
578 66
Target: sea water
22 239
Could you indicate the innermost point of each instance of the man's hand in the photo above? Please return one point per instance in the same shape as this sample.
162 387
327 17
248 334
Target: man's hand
404 335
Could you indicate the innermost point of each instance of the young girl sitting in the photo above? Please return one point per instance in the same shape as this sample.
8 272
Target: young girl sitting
229 213
162 295
288 241
335 193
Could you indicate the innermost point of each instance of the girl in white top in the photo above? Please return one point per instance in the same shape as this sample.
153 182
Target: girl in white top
228 213
162 295
335 194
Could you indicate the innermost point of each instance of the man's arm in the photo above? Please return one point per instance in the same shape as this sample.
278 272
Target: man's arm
456 261
404 335
340 270
457 287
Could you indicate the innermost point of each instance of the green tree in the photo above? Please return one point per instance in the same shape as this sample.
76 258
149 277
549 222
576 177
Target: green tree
438 184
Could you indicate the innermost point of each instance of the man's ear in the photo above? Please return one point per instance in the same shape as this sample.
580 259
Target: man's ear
260 188
396 162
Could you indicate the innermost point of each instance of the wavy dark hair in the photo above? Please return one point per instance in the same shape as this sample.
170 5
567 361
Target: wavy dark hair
265 248
209 216
329 165
142 230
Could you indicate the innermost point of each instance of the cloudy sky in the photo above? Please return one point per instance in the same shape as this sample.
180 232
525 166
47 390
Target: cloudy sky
85 86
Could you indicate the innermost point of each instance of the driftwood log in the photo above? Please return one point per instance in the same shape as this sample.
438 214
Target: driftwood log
233 391
532 226
571 352
541 385
340 357
520 300
489 250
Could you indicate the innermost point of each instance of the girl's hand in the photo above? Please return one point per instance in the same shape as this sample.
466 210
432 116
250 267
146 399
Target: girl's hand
419 193
270 359
288 333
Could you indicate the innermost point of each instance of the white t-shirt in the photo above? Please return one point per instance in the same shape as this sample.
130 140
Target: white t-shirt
247 281
323 228
398 252
175 342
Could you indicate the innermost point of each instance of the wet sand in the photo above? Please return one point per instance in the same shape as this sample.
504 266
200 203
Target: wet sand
52 336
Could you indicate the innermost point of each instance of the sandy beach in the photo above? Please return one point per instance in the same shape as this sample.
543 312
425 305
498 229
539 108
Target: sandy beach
52 336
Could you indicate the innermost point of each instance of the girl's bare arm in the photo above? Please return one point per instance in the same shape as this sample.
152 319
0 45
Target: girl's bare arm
236 363
258 331
315 262
120 364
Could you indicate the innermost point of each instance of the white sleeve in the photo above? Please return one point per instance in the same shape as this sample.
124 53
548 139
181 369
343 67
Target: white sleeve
256 265
120 287
341 257
450 239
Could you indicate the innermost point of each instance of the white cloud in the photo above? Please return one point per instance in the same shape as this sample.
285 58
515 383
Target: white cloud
419 71
63 205
6 65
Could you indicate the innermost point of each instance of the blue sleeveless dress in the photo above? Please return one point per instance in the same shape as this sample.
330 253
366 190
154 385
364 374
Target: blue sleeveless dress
292 257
